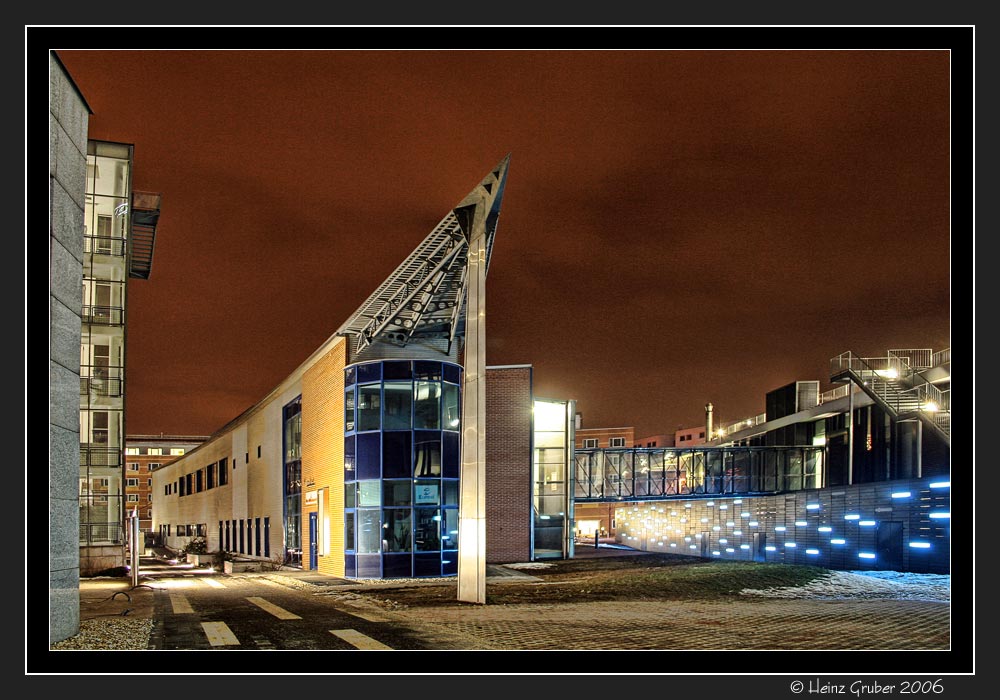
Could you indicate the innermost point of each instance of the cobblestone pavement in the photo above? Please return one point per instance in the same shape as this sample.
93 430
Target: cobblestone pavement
741 623
738 625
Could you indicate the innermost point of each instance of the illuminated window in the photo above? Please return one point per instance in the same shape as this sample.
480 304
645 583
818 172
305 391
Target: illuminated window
176 450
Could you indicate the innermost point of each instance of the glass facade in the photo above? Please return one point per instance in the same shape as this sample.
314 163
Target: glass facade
102 347
401 468
552 511
292 480
637 473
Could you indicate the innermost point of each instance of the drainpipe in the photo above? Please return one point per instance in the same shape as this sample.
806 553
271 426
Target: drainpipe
708 422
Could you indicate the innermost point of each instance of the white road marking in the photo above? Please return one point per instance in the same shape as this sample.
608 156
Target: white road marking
180 604
213 583
356 639
279 613
219 634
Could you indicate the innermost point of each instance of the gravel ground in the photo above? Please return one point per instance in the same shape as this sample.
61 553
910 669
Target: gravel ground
114 633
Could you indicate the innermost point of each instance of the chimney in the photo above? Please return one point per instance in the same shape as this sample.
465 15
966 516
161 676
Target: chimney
708 421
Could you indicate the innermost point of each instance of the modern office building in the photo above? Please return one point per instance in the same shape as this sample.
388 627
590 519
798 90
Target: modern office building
351 465
856 477
143 455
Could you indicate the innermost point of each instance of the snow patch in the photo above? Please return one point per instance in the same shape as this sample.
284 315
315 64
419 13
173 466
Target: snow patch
895 585
529 565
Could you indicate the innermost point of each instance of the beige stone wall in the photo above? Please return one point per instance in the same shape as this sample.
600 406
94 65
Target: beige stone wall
323 453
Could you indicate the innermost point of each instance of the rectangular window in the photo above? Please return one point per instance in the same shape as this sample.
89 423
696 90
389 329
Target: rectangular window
210 476
349 409
589 443
369 407
166 490
398 401
198 482
131 482
149 497
189 486
155 451
133 498
149 482
223 472
133 466
258 451
176 450
131 450
617 442
256 535
153 466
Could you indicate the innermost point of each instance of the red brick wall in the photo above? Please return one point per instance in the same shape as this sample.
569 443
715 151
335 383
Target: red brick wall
508 465
604 436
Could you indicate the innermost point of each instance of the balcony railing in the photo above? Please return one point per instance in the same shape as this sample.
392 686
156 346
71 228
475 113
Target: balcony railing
103 315
101 380
104 245
99 456
941 357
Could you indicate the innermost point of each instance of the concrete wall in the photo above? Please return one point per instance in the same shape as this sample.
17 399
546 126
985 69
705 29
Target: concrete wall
508 464
68 119
697 527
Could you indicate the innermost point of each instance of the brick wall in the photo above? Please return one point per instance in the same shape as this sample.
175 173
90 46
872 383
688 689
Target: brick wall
604 436
508 465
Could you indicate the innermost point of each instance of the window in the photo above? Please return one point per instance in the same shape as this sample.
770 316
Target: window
223 472
133 498
198 480
99 428
176 450
589 443
166 490
701 434
149 497
131 450
616 442
155 451
131 482
210 476
154 465
133 466
149 482
258 451
682 438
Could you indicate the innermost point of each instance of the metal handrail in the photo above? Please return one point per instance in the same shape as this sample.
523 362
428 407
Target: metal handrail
106 315
941 357
104 245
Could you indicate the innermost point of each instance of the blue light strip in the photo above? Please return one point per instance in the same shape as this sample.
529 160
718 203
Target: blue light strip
940 484
920 545
902 494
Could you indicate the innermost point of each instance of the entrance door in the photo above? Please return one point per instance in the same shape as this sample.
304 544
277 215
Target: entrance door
759 542
889 545
704 544
313 551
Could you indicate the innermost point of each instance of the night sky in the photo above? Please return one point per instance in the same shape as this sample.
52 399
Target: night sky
678 227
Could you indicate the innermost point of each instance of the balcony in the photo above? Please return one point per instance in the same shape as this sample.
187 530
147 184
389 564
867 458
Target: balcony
101 380
99 456
113 246
103 315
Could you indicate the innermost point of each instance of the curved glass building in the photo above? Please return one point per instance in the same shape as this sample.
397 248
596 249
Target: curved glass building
401 468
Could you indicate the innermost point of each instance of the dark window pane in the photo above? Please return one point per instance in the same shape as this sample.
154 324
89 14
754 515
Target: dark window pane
449 454
350 463
452 374
397 566
396 370
427 565
350 566
450 488
350 494
426 530
371 372
396 493
449 529
349 409
426 370
369 407
396 532
427 405
369 566
349 531
396 457
350 376
398 405
451 419
369 455
427 453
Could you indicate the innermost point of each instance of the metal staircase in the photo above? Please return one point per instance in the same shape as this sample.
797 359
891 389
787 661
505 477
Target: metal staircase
898 386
